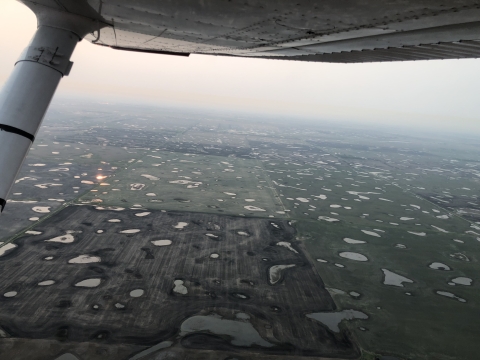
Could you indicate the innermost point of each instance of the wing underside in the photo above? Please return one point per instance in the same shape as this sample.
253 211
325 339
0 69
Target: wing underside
340 31
439 51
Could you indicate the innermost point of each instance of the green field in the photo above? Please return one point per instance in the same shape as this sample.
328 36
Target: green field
412 321
372 208
189 182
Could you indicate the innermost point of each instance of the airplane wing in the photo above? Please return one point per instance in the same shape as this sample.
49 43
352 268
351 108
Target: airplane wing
340 31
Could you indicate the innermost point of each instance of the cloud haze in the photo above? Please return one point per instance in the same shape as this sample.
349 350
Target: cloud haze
429 93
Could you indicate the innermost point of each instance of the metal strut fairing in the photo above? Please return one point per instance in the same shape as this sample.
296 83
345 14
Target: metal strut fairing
344 31
28 92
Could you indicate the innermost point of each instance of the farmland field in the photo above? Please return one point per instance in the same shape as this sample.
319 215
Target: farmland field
145 233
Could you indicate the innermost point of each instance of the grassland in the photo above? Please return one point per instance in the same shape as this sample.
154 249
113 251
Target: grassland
190 182
411 321
403 202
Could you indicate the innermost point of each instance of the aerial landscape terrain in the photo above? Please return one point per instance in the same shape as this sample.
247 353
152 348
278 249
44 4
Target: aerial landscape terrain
141 232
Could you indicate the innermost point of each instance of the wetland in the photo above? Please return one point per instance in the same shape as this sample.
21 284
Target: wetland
187 234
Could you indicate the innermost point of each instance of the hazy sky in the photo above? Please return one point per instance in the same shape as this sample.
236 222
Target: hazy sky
428 93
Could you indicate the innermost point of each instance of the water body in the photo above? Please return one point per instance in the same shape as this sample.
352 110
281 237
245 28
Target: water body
450 295
353 256
41 209
89 283
150 177
59 169
142 214
85 259
161 242
137 293
179 287
394 279
64 239
275 272
46 186
253 208
460 256
462 281
333 319
22 201
5 249
358 193
242 333
185 182
417 233
287 245
439 266
334 291
180 225
130 231
46 283
353 241
371 233
328 219
240 296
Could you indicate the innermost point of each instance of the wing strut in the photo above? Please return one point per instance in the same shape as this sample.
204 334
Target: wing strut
26 95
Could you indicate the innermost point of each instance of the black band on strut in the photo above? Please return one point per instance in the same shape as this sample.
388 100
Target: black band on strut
2 204
17 131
